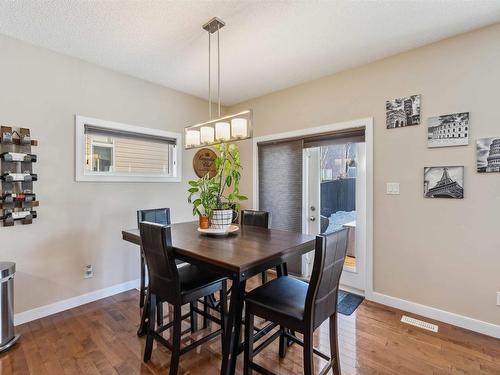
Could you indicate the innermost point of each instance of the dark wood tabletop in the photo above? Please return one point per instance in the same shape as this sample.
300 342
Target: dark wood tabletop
250 250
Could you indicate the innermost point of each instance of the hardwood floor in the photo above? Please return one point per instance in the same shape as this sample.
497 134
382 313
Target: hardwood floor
99 338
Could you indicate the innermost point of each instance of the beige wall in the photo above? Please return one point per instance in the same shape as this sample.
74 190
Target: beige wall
80 223
437 252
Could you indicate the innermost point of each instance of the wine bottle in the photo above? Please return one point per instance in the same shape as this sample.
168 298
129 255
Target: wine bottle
16 156
18 177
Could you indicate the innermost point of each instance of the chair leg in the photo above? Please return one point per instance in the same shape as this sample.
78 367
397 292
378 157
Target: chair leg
222 308
151 327
143 327
142 290
248 357
176 340
263 276
193 317
283 343
159 313
308 353
205 312
334 345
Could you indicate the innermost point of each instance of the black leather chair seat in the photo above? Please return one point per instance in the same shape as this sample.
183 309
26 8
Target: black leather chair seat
193 278
286 296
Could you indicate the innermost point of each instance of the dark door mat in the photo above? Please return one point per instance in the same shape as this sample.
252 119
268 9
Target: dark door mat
348 302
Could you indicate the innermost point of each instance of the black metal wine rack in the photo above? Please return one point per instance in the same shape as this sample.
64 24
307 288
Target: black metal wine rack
17 199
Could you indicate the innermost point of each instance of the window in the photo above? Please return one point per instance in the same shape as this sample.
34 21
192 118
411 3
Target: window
110 151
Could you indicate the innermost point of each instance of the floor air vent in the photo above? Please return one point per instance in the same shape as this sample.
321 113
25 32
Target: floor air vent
419 323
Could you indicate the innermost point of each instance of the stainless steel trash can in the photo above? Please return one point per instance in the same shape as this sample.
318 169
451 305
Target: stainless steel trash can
7 334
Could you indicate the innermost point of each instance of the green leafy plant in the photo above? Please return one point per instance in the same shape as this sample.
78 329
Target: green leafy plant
203 195
221 191
228 166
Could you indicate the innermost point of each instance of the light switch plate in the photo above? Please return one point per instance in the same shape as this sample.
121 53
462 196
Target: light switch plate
392 188
498 298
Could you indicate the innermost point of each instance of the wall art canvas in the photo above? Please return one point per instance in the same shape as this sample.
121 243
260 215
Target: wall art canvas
444 182
402 112
488 155
448 130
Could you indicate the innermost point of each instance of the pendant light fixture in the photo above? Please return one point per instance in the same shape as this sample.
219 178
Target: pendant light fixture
221 129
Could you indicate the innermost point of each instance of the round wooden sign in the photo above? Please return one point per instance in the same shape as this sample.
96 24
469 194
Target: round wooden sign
203 162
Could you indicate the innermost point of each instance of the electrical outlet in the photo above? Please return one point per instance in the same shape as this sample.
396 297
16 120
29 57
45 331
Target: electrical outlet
89 272
498 298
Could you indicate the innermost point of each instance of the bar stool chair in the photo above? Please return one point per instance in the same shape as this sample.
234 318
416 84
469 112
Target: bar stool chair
298 306
159 216
155 215
176 286
261 219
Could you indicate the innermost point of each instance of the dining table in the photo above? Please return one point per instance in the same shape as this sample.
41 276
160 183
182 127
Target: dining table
238 256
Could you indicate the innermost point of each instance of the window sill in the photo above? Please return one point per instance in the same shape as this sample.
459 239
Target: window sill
118 178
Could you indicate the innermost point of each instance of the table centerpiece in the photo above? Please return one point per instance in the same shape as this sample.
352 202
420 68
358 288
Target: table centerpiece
214 199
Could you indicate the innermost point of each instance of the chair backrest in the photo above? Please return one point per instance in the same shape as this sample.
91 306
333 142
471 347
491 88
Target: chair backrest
321 302
155 215
255 218
156 243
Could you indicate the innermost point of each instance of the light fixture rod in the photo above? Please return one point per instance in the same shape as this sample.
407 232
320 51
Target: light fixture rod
209 81
212 26
218 69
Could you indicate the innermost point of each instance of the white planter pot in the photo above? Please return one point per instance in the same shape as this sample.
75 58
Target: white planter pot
221 219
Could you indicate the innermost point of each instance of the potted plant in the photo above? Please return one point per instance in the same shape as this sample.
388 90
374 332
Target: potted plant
205 190
217 196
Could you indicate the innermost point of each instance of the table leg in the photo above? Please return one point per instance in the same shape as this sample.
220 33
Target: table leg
233 330
281 270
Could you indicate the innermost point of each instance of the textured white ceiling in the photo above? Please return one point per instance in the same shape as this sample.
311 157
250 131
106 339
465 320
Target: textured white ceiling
266 45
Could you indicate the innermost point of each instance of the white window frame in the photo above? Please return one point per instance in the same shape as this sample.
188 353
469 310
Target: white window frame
81 174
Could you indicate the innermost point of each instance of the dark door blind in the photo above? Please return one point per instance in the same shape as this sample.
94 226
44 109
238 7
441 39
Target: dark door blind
280 183
338 137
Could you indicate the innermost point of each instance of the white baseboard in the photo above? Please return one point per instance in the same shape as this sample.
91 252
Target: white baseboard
475 325
53 308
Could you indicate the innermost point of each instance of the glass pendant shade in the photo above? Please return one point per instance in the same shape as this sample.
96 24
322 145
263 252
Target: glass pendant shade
222 131
192 138
239 127
207 134
225 129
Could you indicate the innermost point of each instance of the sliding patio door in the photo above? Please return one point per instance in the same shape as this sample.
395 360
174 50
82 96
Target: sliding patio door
317 184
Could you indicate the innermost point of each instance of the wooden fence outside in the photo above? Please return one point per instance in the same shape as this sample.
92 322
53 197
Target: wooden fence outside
338 195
